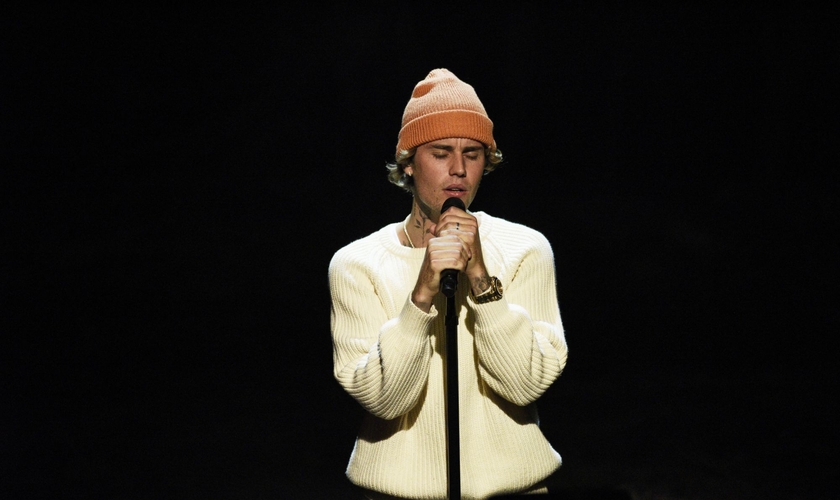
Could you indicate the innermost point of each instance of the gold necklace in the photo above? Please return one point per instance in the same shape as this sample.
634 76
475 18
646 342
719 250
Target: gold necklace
406 234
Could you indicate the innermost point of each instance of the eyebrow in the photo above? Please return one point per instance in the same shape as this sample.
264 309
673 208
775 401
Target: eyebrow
467 149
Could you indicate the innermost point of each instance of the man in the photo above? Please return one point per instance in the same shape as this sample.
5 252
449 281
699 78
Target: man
388 329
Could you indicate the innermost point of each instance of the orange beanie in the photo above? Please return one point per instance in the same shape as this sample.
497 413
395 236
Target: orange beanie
443 106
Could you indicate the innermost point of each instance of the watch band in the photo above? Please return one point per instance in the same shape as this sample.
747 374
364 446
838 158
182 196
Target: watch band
492 294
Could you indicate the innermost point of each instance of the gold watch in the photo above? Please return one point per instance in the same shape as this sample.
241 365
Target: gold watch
491 294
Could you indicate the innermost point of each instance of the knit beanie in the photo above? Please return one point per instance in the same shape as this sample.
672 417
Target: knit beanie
443 106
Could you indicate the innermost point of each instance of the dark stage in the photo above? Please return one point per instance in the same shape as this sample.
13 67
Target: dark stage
175 182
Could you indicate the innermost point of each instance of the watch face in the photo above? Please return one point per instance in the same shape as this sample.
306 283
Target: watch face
493 293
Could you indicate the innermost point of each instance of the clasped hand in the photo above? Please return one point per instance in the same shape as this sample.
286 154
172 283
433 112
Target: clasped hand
455 245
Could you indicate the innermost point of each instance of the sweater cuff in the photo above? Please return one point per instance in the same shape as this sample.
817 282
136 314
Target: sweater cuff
489 311
414 319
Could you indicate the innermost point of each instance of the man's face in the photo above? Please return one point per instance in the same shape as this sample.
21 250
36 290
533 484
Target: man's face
446 168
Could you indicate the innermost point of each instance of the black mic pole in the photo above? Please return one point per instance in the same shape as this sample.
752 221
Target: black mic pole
448 286
453 452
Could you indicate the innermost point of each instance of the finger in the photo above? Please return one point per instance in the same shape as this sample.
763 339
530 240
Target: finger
464 236
451 248
458 223
450 257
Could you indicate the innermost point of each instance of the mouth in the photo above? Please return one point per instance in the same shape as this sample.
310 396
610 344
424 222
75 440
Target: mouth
455 190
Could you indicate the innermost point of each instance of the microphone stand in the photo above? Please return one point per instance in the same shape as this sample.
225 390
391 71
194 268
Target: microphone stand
453 452
449 285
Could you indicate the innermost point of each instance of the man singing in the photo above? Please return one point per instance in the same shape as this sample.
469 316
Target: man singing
388 327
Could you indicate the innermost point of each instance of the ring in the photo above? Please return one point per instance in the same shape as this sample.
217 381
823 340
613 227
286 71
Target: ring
458 226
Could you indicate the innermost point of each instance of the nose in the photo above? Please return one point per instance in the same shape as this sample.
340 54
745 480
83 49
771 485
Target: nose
458 167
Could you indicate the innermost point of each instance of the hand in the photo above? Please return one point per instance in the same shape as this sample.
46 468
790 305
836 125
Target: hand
442 252
465 226
456 245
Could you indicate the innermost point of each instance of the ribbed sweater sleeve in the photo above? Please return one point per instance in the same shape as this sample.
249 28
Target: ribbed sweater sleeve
519 339
379 359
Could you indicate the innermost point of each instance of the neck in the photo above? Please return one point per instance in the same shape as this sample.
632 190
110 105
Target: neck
419 225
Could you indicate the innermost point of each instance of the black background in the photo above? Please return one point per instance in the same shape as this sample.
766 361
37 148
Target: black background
175 181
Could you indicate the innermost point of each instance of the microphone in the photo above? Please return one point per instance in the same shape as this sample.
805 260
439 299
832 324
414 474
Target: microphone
449 277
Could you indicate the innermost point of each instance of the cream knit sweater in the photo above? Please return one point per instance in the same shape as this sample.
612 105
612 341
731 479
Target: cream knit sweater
387 354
